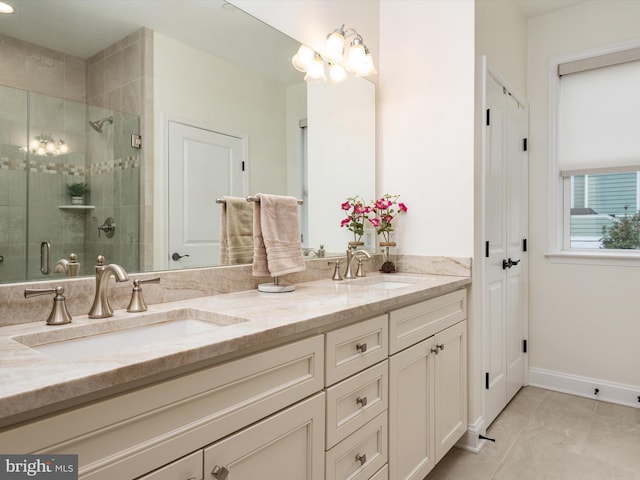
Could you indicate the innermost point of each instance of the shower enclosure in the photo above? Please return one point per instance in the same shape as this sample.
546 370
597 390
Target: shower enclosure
46 144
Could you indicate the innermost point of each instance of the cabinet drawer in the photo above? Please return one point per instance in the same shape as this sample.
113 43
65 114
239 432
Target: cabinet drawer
412 324
355 401
355 347
383 474
133 433
288 445
360 455
187 468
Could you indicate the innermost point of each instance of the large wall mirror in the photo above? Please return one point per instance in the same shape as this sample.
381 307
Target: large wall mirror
84 84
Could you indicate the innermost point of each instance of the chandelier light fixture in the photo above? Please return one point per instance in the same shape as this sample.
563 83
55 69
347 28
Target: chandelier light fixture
46 145
340 57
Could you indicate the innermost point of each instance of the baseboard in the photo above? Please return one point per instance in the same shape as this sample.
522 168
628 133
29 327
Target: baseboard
471 440
619 393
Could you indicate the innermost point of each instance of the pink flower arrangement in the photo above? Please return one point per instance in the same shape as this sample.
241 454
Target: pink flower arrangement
386 208
356 212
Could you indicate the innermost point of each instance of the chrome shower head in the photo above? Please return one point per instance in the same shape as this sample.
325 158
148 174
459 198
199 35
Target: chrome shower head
97 124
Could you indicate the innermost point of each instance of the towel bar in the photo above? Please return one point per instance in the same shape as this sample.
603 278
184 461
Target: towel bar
251 199
256 199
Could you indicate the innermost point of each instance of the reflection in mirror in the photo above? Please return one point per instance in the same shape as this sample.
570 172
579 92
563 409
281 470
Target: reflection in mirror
155 75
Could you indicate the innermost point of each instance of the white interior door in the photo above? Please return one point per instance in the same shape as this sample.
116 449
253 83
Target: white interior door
505 261
203 165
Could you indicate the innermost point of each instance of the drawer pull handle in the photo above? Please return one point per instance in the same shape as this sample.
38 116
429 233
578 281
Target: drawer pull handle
221 473
361 347
361 401
361 458
441 346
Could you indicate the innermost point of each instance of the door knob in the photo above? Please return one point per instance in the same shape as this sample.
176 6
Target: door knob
176 256
508 263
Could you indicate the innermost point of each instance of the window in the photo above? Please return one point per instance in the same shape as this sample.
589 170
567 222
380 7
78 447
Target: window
598 151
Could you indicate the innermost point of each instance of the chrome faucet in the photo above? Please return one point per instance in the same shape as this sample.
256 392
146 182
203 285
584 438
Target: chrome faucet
101 307
351 255
318 253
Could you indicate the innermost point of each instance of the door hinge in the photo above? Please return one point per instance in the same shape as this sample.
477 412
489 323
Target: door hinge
486 380
486 249
524 244
243 165
488 116
524 346
524 144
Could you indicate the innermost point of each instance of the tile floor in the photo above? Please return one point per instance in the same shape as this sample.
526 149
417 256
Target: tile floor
548 435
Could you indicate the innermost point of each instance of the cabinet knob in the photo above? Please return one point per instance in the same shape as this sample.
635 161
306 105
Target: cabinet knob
221 473
434 350
441 346
361 458
361 401
361 347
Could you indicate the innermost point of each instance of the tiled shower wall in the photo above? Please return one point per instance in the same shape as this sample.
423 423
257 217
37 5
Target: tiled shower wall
120 79
115 80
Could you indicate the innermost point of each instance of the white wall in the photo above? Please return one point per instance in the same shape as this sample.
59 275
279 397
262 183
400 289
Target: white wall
193 86
426 122
341 153
583 319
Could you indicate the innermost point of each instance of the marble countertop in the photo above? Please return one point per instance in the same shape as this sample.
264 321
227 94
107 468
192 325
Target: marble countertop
32 382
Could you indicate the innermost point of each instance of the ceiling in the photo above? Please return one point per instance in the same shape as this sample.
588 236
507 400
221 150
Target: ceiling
83 27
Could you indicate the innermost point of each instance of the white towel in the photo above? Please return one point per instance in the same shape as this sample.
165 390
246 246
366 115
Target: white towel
276 236
236 231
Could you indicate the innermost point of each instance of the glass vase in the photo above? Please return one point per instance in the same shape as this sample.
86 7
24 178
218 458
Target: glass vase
388 257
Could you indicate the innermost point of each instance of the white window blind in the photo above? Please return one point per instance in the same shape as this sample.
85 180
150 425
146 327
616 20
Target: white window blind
599 121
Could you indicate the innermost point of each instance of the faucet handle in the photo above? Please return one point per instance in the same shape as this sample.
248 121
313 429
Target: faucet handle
137 303
336 270
360 270
59 314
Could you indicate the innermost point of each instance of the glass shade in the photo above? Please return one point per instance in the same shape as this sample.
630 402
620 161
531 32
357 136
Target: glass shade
337 72
366 68
303 59
356 57
334 47
315 73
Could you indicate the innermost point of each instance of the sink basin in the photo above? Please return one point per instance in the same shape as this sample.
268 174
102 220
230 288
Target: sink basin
119 337
386 282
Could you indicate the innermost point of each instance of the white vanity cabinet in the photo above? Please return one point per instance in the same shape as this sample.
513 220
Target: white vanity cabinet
427 384
356 374
288 445
138 432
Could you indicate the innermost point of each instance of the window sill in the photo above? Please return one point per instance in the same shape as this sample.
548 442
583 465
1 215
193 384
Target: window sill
604 258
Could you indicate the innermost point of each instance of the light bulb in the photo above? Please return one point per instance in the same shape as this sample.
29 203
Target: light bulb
41 151
356 56
316 70
337 73
50 147
33 146
6 8
334 47
63 147
303 59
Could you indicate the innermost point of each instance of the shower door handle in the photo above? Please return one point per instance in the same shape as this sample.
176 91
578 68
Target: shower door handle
45 258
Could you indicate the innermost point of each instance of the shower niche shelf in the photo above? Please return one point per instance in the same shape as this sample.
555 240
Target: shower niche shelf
76 207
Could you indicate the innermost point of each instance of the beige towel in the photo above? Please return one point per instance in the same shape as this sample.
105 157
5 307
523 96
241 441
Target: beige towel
236 231
276 236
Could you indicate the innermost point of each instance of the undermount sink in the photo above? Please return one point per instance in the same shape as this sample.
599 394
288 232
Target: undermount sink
386 282
114 336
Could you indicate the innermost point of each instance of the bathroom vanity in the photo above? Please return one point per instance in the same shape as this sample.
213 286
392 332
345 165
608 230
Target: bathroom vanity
364 379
